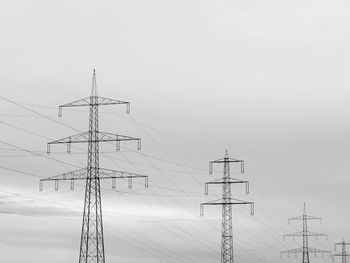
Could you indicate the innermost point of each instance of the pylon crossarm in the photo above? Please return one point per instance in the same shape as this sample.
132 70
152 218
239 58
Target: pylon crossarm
292 251
229 160
228 181
81 102
110 137
340 255
342 243
106 101
96 102
83 137
304 217
295 218
230 201
308 233
317 251
313 218
80 174
115 174
301 250
76 138
226 160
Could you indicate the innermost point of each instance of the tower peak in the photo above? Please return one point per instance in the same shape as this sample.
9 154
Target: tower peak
94 85
226 153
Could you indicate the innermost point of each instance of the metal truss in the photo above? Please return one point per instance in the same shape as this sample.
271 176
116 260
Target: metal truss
92 240
226 203
305 234
344 255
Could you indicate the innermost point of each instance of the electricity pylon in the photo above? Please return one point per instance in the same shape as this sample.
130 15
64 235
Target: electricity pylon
343 253
305 250
92 242
226 202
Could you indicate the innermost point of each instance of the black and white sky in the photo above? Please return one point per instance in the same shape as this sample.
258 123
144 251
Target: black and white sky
267 80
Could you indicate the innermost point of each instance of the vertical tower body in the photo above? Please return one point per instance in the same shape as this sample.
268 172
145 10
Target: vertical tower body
226 236
306 258
91 244
343 249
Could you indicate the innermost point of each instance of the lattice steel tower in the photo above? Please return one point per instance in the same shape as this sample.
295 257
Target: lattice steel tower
344 256
305 250
226 202
92 242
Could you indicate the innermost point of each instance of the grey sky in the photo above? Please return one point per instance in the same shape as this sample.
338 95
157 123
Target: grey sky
267 80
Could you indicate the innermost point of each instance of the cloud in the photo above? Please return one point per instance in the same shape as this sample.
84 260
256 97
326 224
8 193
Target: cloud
17 205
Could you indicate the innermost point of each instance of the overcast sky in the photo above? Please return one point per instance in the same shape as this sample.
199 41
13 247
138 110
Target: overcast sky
267 80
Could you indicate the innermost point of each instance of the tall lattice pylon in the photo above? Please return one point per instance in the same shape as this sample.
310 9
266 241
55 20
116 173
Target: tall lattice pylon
344 255
305 250
226 202
92 242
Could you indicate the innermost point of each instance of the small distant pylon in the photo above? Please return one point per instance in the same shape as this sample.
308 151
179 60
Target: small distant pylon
305 250
91 240
226 202
343 253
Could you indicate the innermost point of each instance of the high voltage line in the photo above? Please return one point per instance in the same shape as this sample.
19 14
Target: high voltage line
176 163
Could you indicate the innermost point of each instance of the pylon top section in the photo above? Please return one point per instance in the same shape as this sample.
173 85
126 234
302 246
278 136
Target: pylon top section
97 101
304 216
94 85
226 160
341 243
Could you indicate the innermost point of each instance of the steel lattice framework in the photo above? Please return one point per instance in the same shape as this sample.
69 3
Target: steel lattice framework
305 250
344 255
226 202
92 242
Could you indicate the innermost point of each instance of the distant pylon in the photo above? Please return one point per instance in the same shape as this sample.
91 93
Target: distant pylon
343 253
305 250
226 202
92 242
